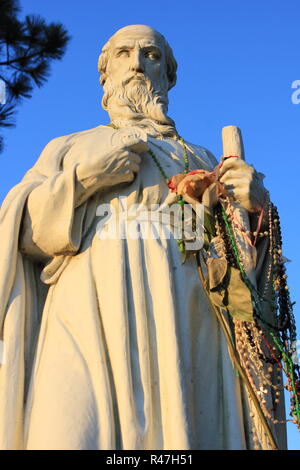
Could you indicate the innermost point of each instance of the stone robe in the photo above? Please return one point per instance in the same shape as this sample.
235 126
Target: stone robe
109 343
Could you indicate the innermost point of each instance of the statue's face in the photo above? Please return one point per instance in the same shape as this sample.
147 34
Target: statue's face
135 54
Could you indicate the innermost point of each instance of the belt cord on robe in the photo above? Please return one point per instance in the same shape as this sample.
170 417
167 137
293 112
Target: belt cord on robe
235 358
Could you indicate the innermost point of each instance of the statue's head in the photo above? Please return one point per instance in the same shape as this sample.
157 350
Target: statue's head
137 69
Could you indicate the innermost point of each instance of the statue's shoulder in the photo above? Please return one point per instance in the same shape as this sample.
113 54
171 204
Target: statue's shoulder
203 154
77 136
54 152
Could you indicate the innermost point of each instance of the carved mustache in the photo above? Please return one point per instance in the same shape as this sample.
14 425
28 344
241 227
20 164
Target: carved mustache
138 76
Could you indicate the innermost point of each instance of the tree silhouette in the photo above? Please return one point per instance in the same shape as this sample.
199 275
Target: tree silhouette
26 50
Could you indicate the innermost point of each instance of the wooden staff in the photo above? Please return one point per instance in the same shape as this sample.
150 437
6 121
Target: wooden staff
233 145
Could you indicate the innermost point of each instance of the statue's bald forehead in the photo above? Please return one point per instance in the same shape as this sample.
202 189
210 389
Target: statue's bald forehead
137 32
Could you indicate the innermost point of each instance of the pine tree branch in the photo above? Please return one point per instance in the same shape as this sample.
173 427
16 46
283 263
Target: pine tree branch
18 59
4 79
7 113
26 50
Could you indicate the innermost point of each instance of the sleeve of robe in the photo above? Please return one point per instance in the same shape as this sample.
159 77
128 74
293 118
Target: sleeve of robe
54 215
52 225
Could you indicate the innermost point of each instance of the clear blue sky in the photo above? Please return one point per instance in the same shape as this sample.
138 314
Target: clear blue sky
237 61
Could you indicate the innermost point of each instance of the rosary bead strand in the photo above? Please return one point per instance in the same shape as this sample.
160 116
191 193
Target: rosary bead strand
285 336
179 198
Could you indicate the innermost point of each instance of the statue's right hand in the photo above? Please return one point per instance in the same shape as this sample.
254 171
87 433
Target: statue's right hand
112 164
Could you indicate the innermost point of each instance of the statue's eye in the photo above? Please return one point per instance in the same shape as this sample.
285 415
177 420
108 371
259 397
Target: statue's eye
123 53
153 55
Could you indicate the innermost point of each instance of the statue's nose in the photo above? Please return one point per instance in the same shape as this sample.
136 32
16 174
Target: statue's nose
137 62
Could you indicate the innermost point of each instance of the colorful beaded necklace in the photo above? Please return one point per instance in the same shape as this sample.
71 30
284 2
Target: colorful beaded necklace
266 347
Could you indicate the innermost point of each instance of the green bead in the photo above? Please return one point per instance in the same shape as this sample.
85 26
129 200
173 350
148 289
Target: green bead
181 247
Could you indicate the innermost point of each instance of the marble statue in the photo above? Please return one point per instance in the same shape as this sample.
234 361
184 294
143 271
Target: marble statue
111 343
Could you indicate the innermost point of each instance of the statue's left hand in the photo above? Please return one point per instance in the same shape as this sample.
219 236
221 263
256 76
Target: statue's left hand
243 184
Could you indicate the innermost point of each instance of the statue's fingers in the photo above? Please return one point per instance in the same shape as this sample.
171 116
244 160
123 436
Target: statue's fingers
233 164
236 175
139 146
128 175
130 137
134 157
127 137
132 166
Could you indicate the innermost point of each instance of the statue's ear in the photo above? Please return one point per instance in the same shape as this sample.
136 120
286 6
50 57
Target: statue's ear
171 74
171 66
102 64
172 81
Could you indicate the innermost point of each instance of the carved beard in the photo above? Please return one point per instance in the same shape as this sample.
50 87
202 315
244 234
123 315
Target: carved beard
138 101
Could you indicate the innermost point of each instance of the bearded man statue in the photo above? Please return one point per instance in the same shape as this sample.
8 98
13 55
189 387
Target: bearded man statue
111 341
